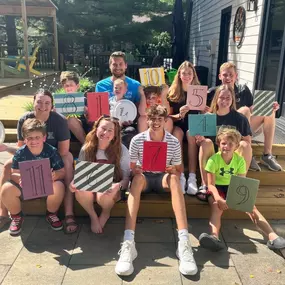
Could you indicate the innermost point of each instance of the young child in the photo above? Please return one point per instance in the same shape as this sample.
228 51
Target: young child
120 89
34 134
79 126
219 169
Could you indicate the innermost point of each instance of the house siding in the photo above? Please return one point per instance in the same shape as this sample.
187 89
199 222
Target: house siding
205 26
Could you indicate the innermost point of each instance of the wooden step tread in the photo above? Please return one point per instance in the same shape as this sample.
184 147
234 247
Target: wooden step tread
270 201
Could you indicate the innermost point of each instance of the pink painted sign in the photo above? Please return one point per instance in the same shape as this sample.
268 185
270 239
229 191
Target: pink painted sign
197 97
36 178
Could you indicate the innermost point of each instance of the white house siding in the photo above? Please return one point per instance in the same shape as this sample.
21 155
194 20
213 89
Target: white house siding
205 26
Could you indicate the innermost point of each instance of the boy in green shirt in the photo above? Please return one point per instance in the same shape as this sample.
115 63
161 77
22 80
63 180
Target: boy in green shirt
220 167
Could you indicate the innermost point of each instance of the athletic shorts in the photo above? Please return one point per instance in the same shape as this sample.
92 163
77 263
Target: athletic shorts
222 189
154 182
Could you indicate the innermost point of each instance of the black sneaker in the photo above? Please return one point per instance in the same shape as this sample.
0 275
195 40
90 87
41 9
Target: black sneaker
278 243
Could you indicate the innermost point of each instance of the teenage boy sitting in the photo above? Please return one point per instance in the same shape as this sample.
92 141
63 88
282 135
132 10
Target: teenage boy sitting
219 169
34 134
79 126
167 181
244 100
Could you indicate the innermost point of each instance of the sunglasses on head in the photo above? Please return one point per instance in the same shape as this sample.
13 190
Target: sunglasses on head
105 116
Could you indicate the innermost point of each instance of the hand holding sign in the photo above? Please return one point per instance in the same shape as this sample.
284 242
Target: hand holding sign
154 156
98 105
36 178
197 97
69 103
92 176
152 76
202 124
242 193
263 103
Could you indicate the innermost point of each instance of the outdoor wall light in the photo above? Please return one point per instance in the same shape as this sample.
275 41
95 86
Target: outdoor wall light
252 5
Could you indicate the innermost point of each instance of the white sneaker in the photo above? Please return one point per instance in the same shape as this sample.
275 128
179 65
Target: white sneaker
187 264
128 254
183 182
192 187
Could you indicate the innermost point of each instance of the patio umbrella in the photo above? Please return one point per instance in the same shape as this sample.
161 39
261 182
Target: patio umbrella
178 34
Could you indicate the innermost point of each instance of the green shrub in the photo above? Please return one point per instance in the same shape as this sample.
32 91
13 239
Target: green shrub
29 106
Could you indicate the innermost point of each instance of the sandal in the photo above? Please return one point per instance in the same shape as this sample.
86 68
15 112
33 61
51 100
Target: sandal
71 223
202 193
3 221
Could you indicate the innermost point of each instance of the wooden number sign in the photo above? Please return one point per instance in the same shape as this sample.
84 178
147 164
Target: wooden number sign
154 156
263 103
98 105
92 176
202 124
152 76
36 178
69 103
242 193
197 97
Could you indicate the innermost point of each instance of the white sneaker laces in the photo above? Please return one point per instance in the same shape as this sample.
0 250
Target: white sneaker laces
125 251
187 253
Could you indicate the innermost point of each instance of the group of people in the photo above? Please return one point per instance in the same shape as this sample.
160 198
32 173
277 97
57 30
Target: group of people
162 117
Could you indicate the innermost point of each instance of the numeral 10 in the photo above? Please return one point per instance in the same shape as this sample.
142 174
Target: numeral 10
151 77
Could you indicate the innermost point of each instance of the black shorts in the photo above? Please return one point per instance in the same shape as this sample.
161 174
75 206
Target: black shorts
154 182
222 189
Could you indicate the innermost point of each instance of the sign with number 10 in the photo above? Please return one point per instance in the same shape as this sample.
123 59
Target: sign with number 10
154 156
36 178
152 76
197 97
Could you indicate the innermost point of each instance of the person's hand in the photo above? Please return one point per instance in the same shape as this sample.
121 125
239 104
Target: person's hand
199 139
3 147
222 204
127 123
206 110
171 169
183 110
72 188
137 170
164 90
53 175
276 106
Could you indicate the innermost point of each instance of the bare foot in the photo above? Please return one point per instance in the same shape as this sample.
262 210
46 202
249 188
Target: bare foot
96 226
104 217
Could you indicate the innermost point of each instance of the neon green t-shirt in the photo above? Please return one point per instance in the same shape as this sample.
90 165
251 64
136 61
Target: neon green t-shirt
223 171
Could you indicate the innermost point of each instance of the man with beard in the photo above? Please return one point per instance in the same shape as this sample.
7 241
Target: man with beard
118 67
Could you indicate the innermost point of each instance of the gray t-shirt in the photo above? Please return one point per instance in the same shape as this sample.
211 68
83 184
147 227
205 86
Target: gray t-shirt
124 162
56 126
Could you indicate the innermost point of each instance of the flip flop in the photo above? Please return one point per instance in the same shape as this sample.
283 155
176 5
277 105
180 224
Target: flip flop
69 224
210 242
202 194
3 221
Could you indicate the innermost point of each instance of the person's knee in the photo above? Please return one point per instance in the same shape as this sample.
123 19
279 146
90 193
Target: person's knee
245 111
58 187
244 145
207 144
137 183
8 190
173 181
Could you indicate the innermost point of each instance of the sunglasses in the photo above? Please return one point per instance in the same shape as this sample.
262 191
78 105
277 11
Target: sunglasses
105 116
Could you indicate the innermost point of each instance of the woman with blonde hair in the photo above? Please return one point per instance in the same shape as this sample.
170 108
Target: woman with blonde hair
103 145
224 106
179 110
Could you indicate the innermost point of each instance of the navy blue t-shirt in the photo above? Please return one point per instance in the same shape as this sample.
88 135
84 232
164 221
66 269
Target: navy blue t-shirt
24 154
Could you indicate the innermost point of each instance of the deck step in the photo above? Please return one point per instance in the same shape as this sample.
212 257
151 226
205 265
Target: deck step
11 136
270 201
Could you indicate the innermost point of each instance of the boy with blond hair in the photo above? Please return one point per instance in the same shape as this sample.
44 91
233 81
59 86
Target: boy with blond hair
244 101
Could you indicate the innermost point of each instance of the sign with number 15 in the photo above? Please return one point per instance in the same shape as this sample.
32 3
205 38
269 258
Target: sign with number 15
152 76
197 97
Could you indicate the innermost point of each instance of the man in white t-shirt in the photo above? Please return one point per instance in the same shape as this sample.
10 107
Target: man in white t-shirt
167 181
